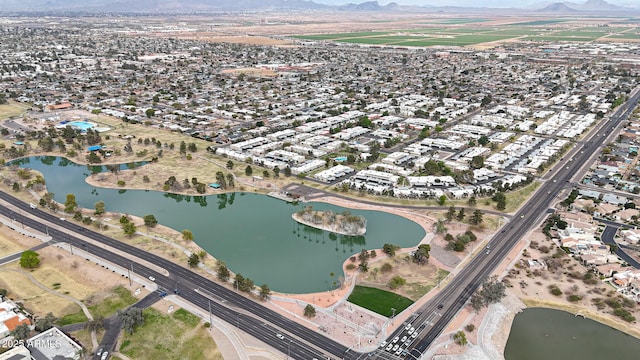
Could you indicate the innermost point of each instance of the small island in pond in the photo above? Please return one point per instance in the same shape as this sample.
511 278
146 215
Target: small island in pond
343 223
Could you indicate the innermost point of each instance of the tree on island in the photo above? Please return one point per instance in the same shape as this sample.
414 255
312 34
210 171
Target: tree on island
29 259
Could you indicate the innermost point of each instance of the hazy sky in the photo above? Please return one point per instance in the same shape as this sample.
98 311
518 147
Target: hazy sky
474 3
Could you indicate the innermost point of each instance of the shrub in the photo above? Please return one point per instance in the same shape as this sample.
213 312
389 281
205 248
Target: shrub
385 268
574 298
396 282
555 290
350 266
470 327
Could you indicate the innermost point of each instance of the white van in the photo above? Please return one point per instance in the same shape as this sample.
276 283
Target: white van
33 206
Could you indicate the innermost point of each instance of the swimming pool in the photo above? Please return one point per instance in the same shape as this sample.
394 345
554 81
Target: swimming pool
341 159
80 125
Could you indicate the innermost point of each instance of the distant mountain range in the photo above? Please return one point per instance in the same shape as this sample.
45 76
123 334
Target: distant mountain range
589 6
185 6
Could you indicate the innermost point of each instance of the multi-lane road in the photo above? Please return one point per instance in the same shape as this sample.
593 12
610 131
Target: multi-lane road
300 342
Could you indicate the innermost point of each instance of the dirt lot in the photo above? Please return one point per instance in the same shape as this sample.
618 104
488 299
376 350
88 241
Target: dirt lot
59 271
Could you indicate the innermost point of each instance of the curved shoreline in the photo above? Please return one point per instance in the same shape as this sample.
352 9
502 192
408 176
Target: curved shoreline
297 218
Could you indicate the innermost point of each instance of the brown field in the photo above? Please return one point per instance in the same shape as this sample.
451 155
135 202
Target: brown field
76 277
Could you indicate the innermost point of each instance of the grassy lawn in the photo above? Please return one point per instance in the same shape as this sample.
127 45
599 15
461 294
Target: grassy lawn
379 301
516 198
74 318
11 109
119 300
176 336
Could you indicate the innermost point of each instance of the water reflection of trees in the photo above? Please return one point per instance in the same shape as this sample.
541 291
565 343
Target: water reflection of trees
225 199
311 234
48 160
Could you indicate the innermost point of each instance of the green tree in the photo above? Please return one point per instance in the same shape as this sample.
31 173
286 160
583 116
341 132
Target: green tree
451 213
229 164
501 200
477 162
21 332
265 292
441 228
421 255
150 112
248 170
460 338
476 217
222 272
389 249
396 282
150 220
442 199
287 172
129 228
194 260
131 318
100 207
309 311
472 201
460 215
187 235
46 323
29 259
70 204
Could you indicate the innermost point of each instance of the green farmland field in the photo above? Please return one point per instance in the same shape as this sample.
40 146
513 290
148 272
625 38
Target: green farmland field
464 36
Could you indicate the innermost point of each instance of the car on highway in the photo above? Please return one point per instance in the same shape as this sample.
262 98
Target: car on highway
404 338
440 306
384 343
62 219
104 356
395 347
99 352
488 252
389 347
407 327
152 278
414 335
411 330
395 339
280 336
399 351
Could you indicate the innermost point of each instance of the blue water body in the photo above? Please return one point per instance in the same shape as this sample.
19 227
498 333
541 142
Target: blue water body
253 234
539 333
82 125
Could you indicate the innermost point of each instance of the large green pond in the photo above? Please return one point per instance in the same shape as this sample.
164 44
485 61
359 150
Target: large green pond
254 234
549 334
